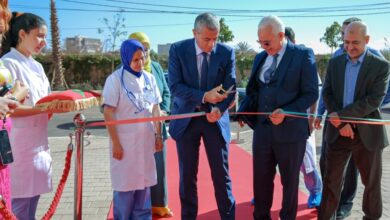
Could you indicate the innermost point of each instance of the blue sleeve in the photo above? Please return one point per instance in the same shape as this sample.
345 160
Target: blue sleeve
321 106
338 52
229 80
177 84
376 52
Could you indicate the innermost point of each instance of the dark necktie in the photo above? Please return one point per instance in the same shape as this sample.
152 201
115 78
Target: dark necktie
203 72
270 71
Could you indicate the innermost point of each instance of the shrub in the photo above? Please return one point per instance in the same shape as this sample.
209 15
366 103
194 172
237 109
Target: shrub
84 70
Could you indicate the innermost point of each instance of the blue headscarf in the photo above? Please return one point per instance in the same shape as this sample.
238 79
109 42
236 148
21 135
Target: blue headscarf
128 48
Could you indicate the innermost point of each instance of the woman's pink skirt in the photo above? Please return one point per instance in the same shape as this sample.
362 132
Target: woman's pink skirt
5 184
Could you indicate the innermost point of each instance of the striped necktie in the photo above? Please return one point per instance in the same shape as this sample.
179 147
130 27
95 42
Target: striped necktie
270 71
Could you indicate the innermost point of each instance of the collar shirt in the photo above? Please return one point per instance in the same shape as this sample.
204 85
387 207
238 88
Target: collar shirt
351 74
268 61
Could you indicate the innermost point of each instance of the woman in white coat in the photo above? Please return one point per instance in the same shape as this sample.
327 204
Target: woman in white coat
130 92
31 169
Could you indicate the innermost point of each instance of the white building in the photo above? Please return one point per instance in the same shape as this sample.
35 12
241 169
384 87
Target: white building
163 49
80 44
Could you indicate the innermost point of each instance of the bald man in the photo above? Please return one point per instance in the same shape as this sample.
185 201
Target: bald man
355 85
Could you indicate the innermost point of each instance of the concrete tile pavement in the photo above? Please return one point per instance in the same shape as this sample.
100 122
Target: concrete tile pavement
97 193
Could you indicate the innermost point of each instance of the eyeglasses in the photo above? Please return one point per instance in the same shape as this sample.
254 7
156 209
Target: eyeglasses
265 43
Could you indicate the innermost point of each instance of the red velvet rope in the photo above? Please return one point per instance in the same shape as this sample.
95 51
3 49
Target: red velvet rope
8 215
5 212
53 206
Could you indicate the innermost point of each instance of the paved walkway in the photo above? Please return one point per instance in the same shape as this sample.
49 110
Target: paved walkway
97 192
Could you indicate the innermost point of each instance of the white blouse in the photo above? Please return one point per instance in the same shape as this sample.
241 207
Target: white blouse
31 169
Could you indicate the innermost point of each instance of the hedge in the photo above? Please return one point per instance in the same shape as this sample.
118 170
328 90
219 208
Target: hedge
91 71
83 71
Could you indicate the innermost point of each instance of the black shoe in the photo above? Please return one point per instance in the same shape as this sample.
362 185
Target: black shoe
342 214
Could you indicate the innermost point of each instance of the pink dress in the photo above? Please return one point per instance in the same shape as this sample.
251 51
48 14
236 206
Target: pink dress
5 183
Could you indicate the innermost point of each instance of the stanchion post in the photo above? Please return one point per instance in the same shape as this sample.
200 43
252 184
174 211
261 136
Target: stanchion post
79 121
238 140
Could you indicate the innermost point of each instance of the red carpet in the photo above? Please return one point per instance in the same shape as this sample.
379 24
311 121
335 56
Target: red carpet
240 163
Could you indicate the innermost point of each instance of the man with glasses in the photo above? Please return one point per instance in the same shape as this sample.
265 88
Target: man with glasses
199 70
355 85
284 78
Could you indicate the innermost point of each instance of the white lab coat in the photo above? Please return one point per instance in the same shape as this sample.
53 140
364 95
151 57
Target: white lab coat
137 168
309 160
32 166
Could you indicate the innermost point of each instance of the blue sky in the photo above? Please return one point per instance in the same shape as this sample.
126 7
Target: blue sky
165 28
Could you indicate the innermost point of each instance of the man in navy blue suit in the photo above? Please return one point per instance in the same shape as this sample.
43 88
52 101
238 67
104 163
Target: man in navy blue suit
284 78
199 70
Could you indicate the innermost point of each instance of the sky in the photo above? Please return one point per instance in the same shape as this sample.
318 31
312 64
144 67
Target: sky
169 21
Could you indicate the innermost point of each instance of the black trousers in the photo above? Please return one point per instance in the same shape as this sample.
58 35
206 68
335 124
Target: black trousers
369 164
349 187
217 151
268 154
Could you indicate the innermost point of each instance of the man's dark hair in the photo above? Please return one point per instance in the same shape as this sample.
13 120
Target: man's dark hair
289 34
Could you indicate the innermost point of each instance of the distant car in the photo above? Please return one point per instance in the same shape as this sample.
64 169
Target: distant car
241 94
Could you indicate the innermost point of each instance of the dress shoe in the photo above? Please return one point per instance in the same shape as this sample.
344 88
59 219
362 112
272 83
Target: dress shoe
162 212
342 214
314 200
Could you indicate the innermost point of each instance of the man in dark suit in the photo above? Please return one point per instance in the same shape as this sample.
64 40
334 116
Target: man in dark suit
351 177
284 78
355 86
199 69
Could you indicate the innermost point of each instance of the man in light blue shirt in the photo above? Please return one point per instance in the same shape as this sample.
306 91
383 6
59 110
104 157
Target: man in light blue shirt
351 180
355 86
351 74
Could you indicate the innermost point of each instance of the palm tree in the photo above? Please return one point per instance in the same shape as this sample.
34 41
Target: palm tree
243 48
244 59
58 78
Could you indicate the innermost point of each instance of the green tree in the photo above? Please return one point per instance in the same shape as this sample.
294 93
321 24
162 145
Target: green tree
244 48
386 51
115 30
163 61
225 34
332 36
244 60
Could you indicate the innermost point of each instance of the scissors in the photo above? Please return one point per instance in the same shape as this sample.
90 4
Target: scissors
229 91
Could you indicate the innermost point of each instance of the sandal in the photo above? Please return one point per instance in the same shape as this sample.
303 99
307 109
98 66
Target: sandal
163 212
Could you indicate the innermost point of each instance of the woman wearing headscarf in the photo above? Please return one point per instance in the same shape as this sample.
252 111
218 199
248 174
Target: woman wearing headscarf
159 192
131 92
